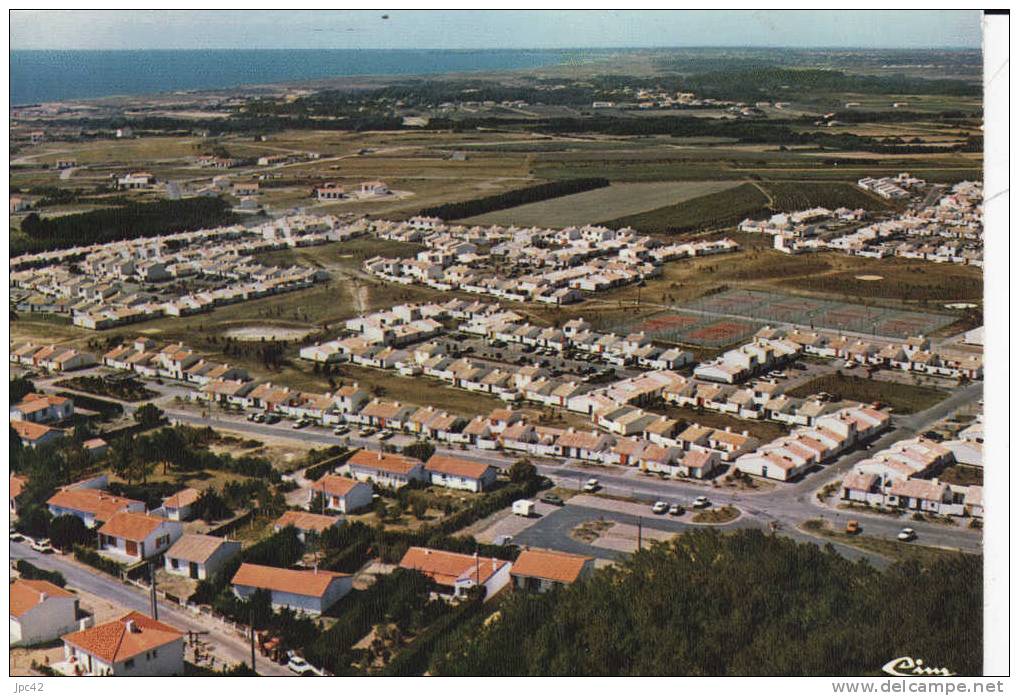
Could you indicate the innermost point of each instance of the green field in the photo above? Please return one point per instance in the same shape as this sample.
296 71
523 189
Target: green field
902 398
617 200
718 209
789 196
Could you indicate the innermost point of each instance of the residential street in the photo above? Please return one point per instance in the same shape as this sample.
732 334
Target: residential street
230 648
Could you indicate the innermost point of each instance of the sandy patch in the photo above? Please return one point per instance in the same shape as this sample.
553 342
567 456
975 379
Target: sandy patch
269 333
623 537
870 277
960 305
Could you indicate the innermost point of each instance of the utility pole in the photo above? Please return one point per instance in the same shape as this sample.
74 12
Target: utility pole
252 615
152 591
640 531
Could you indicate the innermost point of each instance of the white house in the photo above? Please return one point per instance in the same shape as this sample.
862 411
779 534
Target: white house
178 506
42 408
40 611
308 591
341 493
200 556
131 646
93 506
539 570
456 573
390 470
133 536
458 473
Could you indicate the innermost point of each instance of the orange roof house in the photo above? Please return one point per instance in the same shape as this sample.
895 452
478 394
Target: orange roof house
133 645
538 569
460 473
311 591
457 571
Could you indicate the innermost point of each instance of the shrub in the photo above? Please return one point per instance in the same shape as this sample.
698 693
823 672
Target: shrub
91 557
31 572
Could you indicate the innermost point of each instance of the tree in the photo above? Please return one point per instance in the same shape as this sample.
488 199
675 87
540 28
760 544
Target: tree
68 530
421 449
211 506
522 471
148 416
20 387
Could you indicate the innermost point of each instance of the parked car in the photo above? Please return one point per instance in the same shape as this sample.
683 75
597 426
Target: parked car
676 509
592 485
16 536
365 432
907 534
272 418
341 430
298 665
502 540
42 546
260 418
300 424
701 502
552 499
385 435
660 508
853 527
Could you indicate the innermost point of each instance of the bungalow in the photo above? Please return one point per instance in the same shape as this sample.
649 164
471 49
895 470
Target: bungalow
307 522
341 493
18 484
699 464
40 612
178 506
36 434
135 536
389 470
307 591
131 646
200 556
582 445
36 408
539 570
456 573
459 473
92 506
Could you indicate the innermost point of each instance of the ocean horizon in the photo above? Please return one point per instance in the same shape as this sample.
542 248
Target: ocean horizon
46 76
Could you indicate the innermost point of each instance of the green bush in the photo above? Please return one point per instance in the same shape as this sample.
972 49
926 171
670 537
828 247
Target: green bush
93 558
31 572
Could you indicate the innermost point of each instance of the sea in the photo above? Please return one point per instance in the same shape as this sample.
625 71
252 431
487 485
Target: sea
45 76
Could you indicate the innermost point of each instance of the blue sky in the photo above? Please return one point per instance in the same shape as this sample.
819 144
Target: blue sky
182 29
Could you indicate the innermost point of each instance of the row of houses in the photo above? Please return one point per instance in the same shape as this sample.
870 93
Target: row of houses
905 476
548 266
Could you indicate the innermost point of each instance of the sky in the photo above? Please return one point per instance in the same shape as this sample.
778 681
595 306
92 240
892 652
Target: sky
468 29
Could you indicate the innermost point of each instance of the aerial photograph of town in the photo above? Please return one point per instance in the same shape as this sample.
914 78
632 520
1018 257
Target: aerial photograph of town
496 343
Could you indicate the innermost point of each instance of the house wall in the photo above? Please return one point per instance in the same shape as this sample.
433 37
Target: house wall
311 605
168 661
43 622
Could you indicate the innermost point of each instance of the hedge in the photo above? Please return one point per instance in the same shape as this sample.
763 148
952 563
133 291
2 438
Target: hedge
413 660
93 558
31 572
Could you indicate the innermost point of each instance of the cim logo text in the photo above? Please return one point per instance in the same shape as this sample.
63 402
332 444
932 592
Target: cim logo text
908 667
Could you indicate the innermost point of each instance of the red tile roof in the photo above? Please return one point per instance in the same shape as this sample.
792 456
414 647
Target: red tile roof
332 484
549 565
455 466
393 463
124 638
309 583
446 568
101 504
135 526
26 594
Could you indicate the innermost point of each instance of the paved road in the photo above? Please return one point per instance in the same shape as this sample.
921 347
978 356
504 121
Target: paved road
230 648
786 504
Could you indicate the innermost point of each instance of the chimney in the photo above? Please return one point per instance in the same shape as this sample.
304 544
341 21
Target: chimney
131 626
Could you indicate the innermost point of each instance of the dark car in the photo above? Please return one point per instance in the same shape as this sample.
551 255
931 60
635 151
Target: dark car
551 499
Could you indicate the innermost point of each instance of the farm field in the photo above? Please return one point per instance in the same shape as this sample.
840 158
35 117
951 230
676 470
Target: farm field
594 206
719 209
902 398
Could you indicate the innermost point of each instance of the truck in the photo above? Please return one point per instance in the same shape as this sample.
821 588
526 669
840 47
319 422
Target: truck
524 508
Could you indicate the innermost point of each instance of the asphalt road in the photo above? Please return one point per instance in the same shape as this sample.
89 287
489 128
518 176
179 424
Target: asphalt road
230 648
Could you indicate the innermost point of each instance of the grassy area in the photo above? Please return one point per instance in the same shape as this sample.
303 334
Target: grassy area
765 431
893 550
592 206
718 209
902 398
790 196
720 515
962 475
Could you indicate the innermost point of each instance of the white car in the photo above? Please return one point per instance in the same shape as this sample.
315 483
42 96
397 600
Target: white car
660 508
592 485
701 502
341 430
907 534
42 546
298 665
